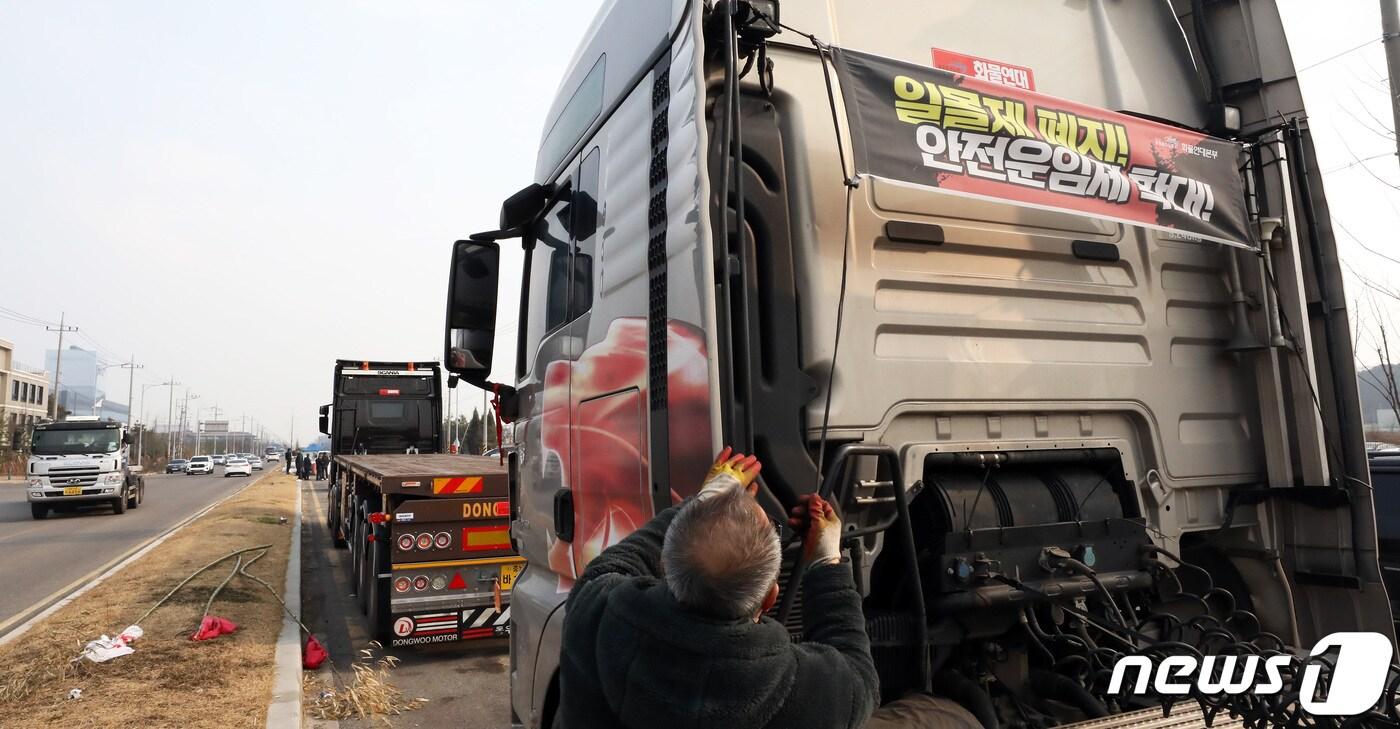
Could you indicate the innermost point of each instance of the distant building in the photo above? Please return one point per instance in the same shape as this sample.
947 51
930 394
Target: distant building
23 399
77 378
78 390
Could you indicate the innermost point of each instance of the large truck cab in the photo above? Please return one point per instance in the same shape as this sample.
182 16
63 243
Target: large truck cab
379 407
82 461
1025 405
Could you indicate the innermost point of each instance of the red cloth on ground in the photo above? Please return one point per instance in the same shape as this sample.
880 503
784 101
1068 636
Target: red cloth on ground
212 627
313 655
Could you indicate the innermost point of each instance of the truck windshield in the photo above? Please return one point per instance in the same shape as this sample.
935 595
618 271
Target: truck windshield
84 442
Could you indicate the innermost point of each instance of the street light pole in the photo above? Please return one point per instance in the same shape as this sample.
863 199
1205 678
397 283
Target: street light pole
170 419
1390 37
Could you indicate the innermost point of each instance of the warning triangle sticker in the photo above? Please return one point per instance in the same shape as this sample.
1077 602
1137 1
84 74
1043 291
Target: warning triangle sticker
457 582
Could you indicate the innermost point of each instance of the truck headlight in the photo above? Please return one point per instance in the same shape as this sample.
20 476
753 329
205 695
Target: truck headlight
37 494
113 478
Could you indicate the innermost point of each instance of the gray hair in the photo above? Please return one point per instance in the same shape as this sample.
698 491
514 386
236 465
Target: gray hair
719 558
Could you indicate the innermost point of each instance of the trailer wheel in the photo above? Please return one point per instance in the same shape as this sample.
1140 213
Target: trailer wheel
377 612
39 511
352 539
364 548
333 520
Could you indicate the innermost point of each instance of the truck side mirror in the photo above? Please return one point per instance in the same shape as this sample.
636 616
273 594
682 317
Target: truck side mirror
470 330
324 421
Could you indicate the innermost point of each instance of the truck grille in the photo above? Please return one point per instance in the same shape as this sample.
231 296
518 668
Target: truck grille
57 478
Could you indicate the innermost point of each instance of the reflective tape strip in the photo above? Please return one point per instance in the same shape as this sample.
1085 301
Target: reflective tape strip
457 485
505 618
482 617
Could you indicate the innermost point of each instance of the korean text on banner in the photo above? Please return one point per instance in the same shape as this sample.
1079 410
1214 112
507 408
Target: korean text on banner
940 129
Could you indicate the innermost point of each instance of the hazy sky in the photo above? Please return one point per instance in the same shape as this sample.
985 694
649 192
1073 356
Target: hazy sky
238 193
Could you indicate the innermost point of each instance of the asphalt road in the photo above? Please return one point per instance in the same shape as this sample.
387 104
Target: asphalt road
467 684
40 557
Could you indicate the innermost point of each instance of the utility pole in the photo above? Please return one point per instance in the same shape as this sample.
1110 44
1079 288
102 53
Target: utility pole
131 387
170 419
58 360
1390 37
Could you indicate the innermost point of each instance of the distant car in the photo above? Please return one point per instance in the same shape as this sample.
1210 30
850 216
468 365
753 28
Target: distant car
176 466
1373 446
219 459
199 464
496 452
274 456
235 466
256 463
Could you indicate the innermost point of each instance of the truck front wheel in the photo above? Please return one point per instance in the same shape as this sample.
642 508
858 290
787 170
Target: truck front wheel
39 511
119 505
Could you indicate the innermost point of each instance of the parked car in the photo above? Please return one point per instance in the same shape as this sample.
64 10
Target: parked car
219 459
176 466
1385 488
1373 446
255 462
199 464
235 466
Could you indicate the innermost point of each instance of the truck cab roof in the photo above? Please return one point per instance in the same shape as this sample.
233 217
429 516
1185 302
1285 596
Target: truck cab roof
74 424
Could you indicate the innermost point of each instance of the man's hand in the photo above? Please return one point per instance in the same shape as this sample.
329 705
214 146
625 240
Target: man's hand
821 528
732 469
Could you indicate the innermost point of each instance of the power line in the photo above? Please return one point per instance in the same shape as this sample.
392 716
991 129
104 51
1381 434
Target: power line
1338 55
1357 240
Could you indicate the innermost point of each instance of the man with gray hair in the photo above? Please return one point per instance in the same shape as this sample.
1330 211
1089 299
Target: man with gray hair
666 629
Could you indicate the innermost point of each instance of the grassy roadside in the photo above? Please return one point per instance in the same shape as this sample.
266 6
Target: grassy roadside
169 680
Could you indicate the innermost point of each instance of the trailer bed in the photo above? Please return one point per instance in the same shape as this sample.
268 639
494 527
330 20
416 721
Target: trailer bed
429 474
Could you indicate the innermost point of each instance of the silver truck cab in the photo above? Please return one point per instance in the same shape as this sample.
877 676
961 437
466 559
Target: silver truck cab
82 461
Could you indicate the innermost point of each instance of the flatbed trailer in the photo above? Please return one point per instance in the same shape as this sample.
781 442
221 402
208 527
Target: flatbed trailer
429 534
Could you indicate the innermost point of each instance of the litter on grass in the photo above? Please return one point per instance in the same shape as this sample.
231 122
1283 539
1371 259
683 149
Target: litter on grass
105 649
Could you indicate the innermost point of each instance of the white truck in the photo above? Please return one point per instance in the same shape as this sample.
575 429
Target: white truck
82 461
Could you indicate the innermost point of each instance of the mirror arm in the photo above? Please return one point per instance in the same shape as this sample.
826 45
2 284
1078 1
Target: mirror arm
495 235
510 397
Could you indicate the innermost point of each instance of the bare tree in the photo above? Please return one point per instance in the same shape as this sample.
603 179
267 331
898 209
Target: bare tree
1381 378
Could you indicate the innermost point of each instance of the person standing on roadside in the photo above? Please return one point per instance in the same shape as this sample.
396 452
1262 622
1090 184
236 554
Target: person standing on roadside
287 460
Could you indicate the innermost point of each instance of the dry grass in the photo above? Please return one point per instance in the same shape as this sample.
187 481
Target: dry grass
170 680
366 694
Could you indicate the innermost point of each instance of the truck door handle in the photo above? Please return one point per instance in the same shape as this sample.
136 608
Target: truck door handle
564 514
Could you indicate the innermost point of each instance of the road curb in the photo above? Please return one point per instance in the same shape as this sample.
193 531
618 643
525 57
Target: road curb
324 674
80 586
285 708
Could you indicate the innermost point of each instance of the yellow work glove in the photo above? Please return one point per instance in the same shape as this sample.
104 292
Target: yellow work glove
731 470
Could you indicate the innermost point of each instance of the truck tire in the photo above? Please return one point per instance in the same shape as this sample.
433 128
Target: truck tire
133 496
333 520
352 541
366 549
39 511
362 547
119 504
377 613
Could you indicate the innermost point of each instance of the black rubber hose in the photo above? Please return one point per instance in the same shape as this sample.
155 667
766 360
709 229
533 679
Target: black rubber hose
965 691
1051 685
